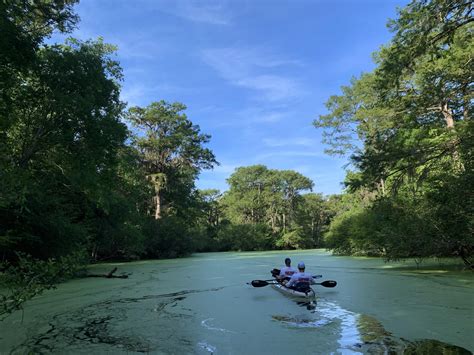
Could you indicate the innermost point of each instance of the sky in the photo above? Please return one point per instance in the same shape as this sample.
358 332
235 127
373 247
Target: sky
254 74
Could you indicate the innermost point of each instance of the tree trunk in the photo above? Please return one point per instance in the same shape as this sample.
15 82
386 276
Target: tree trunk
158 203
448 117
110 275
382 185
466 99
94 252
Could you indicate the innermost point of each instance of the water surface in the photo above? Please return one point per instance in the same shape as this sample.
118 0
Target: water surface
202 305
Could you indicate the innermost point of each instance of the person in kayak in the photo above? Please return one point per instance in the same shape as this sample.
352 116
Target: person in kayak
287 271
301 280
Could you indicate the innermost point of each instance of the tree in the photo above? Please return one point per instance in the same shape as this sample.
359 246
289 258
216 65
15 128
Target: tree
313 216
171 149
24 25
292 184
60 146
261 195
211 207
245 199
412 115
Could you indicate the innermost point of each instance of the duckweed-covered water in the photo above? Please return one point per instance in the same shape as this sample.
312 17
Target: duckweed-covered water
202 305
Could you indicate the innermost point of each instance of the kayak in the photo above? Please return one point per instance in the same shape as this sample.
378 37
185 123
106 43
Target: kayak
288 291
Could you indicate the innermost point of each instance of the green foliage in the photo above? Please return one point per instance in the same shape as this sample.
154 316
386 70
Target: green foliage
341 231
169 237
172 153
30 277
61 148
244 237
312 219
68 180
263 209
292 240
412 115
212 210
260 195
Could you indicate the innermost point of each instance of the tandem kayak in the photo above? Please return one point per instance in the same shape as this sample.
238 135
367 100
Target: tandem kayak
288 291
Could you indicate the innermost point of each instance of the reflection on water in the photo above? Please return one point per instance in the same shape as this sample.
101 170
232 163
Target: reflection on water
330 314
310 305
360 333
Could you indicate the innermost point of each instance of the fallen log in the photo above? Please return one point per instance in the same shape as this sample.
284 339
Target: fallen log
109 275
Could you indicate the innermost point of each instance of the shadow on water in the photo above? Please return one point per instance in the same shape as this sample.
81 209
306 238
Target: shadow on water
106 324
309 305
363 333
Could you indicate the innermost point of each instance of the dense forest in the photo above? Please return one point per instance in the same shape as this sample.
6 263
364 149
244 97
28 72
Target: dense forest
411 194
85 177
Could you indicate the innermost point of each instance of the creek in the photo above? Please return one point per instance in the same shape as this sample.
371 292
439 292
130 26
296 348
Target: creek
203 305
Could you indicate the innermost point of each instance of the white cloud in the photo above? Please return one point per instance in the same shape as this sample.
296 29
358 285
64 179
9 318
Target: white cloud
256 70
226 169
140 95
289 153
214 13
250 116
272 87
132 94
238 62
260 115
283 142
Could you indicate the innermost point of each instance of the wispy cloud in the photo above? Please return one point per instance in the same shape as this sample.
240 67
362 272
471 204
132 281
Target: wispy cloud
289 153
214 13
260 115
225 169
256 70
283 142
272 87
133 94
237 62
141 95
249 117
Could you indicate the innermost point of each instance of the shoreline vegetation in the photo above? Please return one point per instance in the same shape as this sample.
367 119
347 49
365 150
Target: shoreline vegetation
78 185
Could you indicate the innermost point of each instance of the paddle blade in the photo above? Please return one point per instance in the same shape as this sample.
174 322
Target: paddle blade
328 283
259 283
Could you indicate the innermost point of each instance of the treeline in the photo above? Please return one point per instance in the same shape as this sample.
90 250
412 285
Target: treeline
265 209
73 177
83 177
412 192
79 171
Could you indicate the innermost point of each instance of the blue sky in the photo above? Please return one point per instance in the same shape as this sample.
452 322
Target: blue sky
253 73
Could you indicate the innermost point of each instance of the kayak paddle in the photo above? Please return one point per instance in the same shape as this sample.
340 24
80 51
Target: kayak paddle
328 283
263 283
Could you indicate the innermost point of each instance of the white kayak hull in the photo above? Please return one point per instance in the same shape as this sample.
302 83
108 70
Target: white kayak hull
293 293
